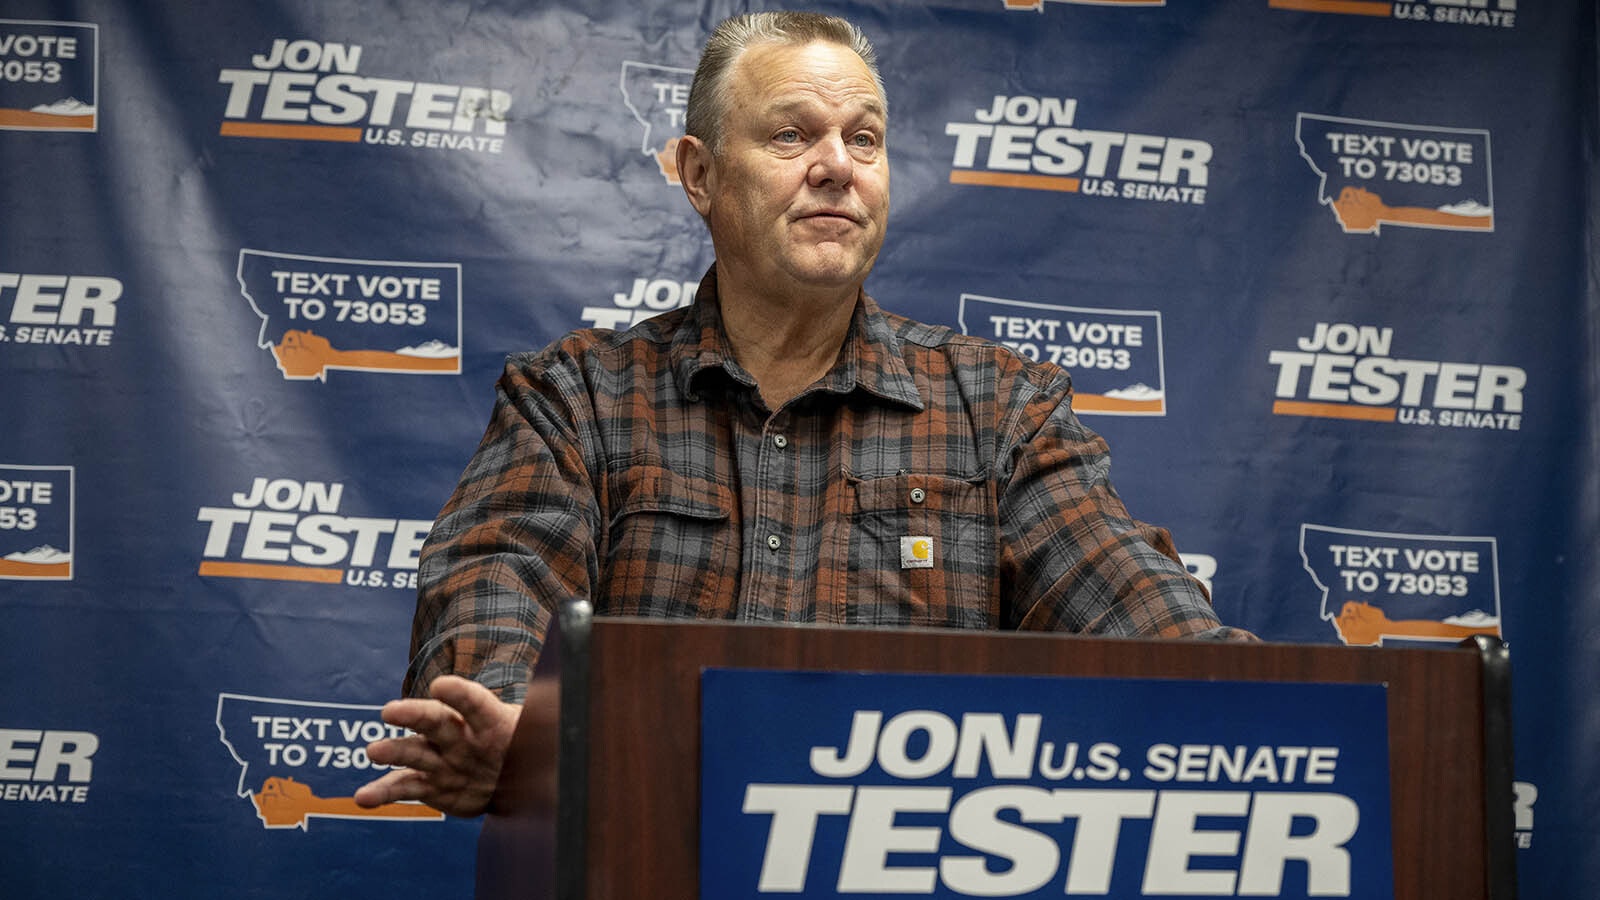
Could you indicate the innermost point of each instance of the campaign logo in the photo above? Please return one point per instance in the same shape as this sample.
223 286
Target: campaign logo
299 761
36 522
824 784
1523 795
1379 587
647 298
1036 143
46 766
1114 355
320 313
281 529
1491 13
1202 566
62 310
1376 173
1038 5
305 90
49 75
1347 371
658 96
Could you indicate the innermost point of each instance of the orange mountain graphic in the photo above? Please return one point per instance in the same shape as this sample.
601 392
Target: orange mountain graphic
302 354
1105 403
16 568
40 562
1361 624
1360 210
286 803
23 118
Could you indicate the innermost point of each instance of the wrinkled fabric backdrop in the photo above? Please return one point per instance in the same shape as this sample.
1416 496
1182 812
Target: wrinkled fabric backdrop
1323 274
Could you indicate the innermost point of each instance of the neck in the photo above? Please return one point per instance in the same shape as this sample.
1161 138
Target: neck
785 341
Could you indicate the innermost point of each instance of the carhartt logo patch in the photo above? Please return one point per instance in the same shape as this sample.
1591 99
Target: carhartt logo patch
916 552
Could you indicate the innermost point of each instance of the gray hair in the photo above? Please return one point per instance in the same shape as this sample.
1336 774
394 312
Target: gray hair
708 94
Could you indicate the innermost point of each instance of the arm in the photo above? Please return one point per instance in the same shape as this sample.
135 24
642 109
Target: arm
1071 555
516 539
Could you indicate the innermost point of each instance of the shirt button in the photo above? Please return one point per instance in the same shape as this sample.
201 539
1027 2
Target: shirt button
918 495
780 441
774 542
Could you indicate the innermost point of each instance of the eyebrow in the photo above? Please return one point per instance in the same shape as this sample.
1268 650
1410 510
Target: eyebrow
873 107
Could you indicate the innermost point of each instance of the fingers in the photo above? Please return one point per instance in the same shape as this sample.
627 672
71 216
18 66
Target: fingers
432 718
401 784
475 704
453 759
486 722
412 752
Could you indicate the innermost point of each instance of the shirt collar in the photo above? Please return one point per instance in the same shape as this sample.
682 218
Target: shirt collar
871 360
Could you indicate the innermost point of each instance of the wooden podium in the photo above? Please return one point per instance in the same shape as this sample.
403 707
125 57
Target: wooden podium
628 821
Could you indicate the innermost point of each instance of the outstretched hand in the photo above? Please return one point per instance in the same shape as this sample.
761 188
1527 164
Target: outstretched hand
453 761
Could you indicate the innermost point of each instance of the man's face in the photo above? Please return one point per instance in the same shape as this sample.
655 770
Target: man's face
798 191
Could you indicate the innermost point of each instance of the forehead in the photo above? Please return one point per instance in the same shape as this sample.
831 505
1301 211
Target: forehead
771 77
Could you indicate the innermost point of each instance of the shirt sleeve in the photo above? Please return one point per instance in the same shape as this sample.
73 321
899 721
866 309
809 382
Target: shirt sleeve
1072 558
514 541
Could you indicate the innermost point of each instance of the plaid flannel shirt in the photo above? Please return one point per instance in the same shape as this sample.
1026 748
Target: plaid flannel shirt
929 479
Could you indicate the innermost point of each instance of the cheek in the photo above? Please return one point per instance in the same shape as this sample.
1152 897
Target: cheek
873 186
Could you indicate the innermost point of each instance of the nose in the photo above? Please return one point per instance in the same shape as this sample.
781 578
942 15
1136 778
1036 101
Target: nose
831 165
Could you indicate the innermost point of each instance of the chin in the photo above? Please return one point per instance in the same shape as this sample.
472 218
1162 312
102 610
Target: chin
831 271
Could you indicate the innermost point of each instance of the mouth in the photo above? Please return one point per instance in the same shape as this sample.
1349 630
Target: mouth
829 215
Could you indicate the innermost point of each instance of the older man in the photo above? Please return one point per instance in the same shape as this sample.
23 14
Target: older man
782 450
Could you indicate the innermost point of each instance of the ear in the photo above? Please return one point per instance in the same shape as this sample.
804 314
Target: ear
694 172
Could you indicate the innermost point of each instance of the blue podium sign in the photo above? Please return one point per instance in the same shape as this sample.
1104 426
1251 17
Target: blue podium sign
909 785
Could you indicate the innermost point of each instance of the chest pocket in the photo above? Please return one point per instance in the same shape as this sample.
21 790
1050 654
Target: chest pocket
672 546
920 551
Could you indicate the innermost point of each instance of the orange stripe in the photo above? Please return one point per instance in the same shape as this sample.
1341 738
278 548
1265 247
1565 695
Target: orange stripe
1007 179
35 570
1333 411
271 572
1102 403
292 132
21 118
1348 7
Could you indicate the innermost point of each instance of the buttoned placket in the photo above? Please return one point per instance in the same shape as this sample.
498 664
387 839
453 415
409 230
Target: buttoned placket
780 442
767 585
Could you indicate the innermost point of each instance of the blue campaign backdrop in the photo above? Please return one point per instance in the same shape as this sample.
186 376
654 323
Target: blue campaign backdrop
1323 273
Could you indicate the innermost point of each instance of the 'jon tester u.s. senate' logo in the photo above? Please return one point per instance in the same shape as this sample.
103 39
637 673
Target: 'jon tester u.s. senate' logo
1490 13
1346 371
306 90
1379 587
49 75
657 97
283 529
1038 144
36 522
644 299
61 310
45 766
320 313
299 760
1373 174
1113 355
826 784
